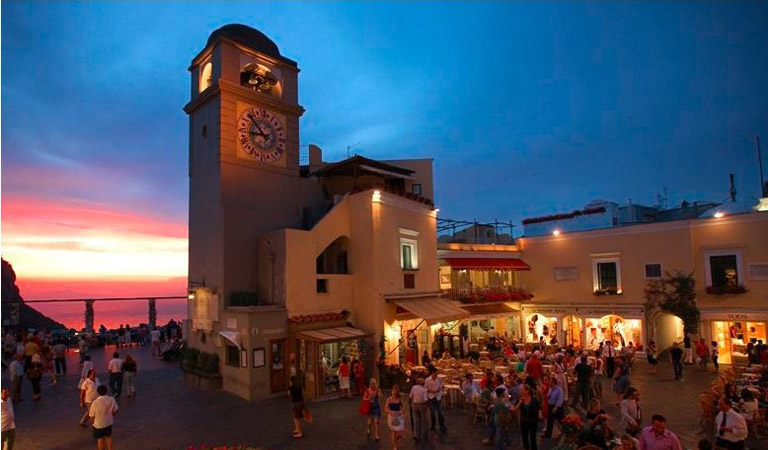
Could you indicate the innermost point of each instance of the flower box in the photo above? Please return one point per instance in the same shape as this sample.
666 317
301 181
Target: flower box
728 289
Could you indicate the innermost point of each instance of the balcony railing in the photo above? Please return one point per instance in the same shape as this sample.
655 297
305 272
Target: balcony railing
488 294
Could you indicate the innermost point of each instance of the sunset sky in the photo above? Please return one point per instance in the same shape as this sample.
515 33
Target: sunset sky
527 109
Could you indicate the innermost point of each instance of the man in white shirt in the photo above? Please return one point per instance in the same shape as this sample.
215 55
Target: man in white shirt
155 333
730 427
88 393
102 413
8 421
419 410
16 370
609 355
115 369
434 387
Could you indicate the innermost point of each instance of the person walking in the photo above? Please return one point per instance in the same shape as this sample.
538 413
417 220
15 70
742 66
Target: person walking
120 336
16 370
555 400
688 349
82 348
562 379
359 373
102 414
35 376
715 354
395 417
8 421
129 374
372 395
653 361
622 382
155 337
658 437
583 383
676 356
609 354
344 377
597 377
419 410
631 414
60 359
529 409
702 354
730 427
434 387
297 405
88 393
115 369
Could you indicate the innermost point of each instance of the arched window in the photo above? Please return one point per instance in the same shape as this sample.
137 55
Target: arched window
206 74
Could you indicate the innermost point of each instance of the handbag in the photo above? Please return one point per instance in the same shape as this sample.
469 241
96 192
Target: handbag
365 407
308 416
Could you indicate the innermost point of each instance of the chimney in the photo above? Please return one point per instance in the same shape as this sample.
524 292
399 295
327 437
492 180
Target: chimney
315 158
733 190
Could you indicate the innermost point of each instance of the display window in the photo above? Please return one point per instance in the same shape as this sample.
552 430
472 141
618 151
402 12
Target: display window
541 328
614 328
732 338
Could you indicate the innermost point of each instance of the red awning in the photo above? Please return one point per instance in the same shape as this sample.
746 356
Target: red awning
487 263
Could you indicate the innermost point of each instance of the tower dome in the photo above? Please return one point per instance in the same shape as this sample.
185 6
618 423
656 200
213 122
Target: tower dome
249 37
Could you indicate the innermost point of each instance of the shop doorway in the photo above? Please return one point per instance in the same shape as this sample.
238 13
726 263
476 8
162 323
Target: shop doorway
277 366
540 328
615 328
572 328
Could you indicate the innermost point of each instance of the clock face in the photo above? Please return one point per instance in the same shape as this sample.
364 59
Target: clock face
261 135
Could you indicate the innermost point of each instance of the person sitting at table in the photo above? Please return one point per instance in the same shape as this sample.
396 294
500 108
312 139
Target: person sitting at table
469 388
446 355
748 405
425 359
732 393
487 381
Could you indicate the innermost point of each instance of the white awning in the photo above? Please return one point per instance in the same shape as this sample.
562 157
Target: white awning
432 309
335 334
233 337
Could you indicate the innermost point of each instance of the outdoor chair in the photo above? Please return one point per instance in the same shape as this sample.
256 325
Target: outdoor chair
481 411
707 411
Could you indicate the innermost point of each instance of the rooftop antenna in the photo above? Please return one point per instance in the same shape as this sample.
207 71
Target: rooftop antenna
763 187
732 189
350 147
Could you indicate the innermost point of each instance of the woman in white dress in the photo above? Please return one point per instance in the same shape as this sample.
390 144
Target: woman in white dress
395 417
562 379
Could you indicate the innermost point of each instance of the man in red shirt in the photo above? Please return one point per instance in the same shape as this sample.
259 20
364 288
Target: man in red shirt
702 352
534 368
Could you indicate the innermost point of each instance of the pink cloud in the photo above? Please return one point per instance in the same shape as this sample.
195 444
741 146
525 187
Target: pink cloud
37 216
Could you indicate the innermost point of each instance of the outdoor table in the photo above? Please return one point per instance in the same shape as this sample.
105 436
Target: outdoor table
452 392
484 353
442 376
498 369
547 366
419 368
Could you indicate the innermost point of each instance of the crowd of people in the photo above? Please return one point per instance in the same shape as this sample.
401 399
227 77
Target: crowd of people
39 355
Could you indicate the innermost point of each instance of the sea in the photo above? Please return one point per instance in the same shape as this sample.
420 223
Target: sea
112 314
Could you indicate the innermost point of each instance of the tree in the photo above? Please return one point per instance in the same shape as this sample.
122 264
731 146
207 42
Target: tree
675 294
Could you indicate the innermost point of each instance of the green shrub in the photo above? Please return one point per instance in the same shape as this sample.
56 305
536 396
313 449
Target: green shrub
190 359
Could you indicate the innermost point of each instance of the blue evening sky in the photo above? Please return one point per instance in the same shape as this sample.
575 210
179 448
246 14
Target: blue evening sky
527 108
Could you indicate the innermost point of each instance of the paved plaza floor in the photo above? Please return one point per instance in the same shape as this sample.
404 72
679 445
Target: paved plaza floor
166 414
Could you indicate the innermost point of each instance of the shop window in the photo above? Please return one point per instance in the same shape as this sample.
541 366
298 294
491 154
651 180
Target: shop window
724 270
233 356
607 277
416 189
653 270
409 255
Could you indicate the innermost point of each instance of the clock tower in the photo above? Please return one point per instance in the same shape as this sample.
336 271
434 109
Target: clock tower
243 158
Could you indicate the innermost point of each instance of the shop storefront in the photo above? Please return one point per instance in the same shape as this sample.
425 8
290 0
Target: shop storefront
319 353
733 332
583 327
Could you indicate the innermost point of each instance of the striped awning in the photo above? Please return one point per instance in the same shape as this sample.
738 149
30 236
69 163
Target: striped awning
487 263
432 309
333 334
490 310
